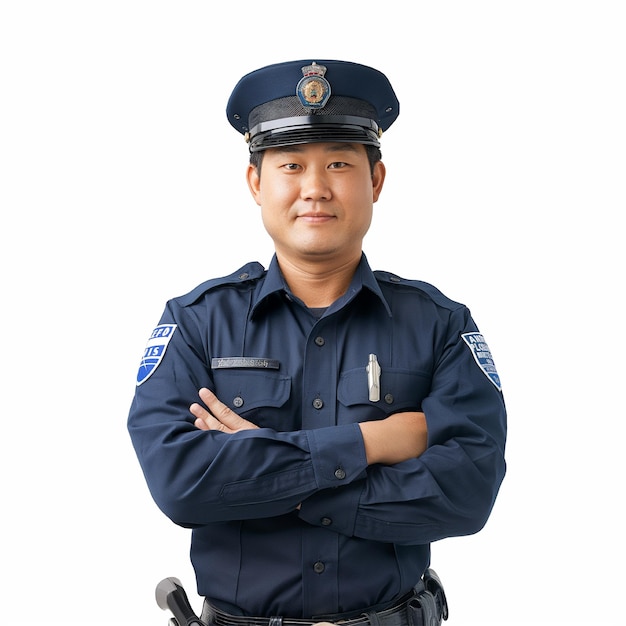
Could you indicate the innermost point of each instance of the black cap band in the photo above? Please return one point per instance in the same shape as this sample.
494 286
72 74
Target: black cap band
313 128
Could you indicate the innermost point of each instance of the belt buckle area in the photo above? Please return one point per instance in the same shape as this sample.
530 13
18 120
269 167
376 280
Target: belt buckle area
395 615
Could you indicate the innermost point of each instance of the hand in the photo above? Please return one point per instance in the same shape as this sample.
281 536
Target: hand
397 438
219 416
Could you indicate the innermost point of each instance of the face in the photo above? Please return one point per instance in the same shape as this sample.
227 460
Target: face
317 199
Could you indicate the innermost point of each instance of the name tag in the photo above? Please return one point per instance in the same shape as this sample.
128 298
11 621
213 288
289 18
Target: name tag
235 362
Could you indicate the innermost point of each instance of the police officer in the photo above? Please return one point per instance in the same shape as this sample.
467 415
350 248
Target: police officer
318 424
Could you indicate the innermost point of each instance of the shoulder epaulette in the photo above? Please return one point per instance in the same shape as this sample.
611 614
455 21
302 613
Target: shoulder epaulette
427 289
250 271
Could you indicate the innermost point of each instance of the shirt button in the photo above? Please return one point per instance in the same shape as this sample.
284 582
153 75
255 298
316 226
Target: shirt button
318 567
318 403
340 473
319 341
388 398
237 402
326 521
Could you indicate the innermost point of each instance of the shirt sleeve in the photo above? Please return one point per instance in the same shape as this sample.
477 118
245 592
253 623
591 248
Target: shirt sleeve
451 488
197 477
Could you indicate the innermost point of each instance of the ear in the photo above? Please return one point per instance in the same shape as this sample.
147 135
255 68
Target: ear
378 179
254 183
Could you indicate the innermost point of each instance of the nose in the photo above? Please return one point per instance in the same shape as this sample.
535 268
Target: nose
314 184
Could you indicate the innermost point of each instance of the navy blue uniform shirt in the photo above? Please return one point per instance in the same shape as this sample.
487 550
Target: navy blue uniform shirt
361 536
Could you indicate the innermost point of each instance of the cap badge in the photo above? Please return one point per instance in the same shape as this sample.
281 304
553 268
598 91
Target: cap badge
313 90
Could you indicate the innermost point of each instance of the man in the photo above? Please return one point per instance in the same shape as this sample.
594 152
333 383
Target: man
318 424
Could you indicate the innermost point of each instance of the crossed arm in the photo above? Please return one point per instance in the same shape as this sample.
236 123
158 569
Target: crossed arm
397 438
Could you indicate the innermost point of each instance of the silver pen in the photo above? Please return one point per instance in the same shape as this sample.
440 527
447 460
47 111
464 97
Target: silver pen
373 378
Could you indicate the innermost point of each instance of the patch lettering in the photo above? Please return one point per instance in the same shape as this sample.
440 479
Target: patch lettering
482 356
155 351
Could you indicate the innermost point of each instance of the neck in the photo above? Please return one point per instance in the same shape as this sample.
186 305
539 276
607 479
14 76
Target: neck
318 284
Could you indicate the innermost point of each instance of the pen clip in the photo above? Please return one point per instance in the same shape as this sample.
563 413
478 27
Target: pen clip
373 378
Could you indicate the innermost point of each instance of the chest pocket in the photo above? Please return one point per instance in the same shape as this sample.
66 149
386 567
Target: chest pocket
245 391
400 390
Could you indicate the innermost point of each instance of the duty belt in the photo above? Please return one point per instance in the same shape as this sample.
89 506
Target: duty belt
425 606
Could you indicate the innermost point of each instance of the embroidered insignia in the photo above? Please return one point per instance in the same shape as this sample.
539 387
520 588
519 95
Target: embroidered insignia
154 352
313 90
482 356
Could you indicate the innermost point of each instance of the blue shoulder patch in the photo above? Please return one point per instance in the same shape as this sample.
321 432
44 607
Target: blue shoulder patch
250 271
482 356
155 351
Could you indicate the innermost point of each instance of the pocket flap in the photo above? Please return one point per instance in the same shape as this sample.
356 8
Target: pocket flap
399 389
243 390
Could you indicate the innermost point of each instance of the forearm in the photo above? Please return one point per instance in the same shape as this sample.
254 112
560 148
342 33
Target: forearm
197 477
447 491
397 438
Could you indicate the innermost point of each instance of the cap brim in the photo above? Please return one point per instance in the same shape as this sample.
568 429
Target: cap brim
313 129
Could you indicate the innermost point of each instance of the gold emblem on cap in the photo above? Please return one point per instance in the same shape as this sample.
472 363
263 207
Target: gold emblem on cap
313 90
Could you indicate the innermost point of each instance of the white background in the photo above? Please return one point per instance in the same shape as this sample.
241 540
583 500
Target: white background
122 185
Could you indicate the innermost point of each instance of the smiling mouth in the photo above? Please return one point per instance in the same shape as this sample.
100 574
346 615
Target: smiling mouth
316 217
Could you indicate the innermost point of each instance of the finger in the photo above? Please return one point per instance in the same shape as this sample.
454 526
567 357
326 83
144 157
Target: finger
221 412
212 401
199 412
201 424
220 416
204 420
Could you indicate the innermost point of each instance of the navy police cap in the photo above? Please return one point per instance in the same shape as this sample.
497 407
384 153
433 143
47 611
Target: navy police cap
311 101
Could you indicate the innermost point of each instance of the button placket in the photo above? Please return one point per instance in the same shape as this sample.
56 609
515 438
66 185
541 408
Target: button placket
319 390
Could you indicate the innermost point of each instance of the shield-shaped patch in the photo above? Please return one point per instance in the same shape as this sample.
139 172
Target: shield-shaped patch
155 350
482 356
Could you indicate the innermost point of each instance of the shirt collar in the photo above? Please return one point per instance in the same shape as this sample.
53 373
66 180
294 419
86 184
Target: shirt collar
275 283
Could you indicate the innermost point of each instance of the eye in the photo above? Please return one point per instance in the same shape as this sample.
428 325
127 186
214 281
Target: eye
291 167
337 165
